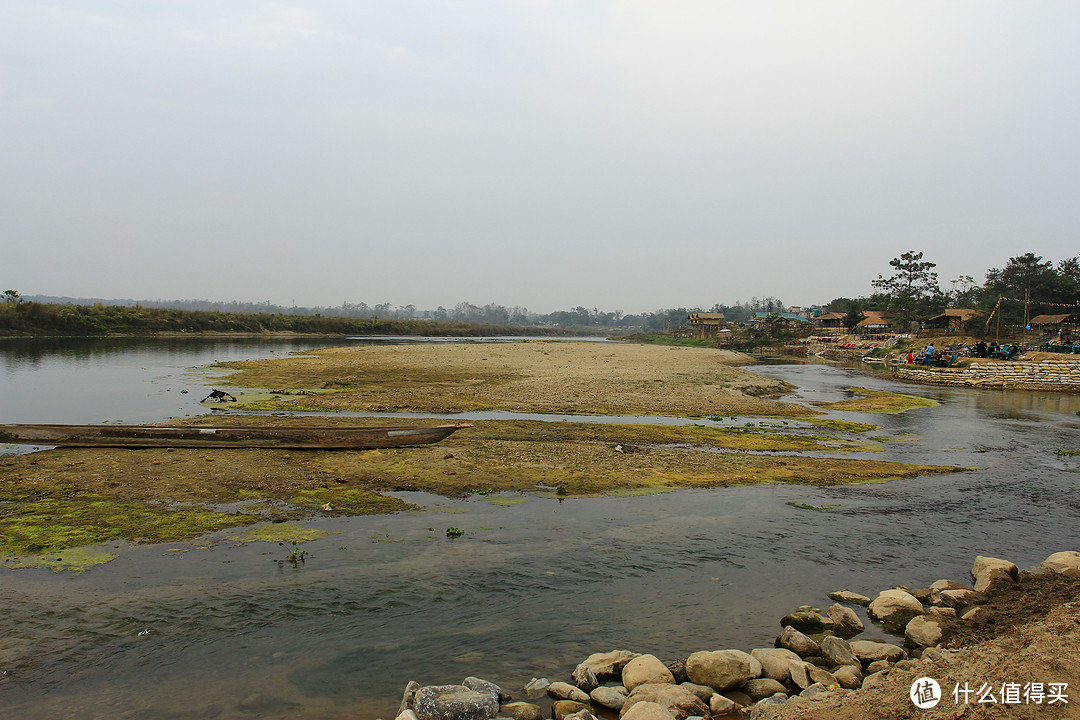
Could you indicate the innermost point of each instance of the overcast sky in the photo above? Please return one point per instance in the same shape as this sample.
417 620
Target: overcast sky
622 155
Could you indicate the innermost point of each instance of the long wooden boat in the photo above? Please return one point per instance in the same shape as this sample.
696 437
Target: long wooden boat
309 437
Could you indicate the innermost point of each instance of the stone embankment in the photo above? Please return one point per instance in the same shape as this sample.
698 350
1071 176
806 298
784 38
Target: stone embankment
815 659
1055 375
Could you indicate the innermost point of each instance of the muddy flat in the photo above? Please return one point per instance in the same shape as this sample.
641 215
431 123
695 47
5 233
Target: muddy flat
534 376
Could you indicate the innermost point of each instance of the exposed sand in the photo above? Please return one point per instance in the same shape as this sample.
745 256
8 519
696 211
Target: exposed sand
534 376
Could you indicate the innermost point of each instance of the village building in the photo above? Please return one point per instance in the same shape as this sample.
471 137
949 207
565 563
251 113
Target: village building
1064 326
705 325
950 322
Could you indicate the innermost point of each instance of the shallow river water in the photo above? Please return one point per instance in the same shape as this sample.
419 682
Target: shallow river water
219 629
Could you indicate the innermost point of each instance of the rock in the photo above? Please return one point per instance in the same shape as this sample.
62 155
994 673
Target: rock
485 688
800 676
1062 561
960 597
739 698
763 709
869 650
774 662
943 612
609 697
561 709
720 705
907 665
847 622
406 715
821 675
984 564
878 666
815 689
755 664
610 664
934 654
720 669
645 669
807 620
939 585
521 711
838 651
704 692
453 702
973 613
646 711
993 579
408 696
923 630
580 715
678 700
874 681
761 688
678 671
798 643
896 607
585 678
851 598
566 691
850 677
537 687
922 595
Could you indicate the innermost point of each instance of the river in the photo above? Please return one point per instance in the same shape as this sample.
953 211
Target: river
219 629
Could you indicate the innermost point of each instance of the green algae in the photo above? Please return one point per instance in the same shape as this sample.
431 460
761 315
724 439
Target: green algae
841 425
75 560
349 501
505 501
280 533
50 524
878 401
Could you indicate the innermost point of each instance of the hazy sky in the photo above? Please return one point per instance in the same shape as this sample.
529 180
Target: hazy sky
623 155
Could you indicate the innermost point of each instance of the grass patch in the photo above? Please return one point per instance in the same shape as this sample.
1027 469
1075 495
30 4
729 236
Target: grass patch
280 533
878 401
1068 453
75 560
841 425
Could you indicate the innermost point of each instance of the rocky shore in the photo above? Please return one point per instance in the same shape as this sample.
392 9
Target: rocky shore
818 669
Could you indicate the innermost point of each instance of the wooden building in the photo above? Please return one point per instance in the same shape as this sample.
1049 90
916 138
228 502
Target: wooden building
705 325
950 322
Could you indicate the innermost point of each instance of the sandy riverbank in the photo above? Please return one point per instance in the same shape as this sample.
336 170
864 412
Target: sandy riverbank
532 376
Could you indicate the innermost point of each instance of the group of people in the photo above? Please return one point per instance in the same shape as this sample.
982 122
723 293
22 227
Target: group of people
933 356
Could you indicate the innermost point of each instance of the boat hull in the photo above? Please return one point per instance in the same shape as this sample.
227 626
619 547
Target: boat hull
300 438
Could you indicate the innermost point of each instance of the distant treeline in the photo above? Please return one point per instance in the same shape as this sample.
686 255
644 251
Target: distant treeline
21 317
463 312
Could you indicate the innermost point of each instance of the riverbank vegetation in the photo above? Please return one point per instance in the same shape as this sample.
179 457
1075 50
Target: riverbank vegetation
32 318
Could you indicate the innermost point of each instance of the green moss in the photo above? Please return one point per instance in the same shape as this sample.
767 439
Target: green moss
50 524
841 425
506 501
878 401
1068 453
349 501
75 560
280 532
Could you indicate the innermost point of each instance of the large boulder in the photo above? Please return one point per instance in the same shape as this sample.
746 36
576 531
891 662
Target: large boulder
774 662
610 664
807 620
566 691
562 709
646 711
924 630
958 598
585 678
798 643
521 711
1066 561
761 688
645 669
850 677
993 579
719 669
485 687
895 607
851 598
984 564
847 623
453 702
838 651
608 697
870 650
676 699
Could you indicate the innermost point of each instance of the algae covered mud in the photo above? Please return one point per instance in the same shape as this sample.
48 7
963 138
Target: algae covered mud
229 626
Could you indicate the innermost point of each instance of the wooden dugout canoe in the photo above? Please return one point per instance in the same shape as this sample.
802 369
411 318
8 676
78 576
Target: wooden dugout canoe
299 438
